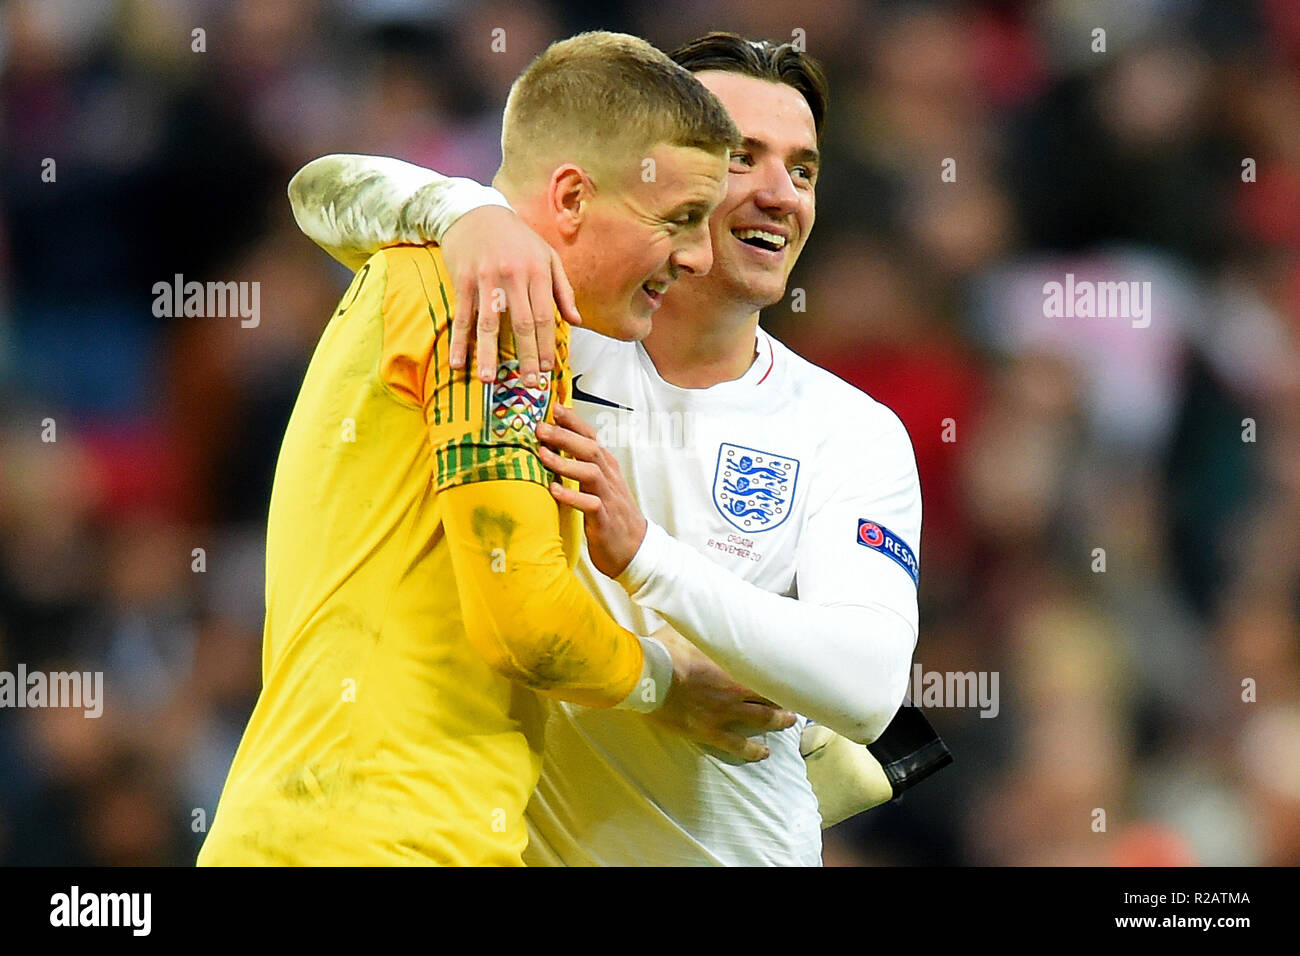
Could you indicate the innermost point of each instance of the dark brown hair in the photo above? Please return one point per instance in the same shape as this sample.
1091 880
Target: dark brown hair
763 60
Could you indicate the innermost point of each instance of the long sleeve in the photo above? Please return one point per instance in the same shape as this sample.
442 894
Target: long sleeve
841 652
528 614
352 205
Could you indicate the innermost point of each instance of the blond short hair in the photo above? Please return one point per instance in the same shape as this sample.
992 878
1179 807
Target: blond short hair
604 101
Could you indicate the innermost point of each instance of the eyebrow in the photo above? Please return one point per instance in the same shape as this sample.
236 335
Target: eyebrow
799 155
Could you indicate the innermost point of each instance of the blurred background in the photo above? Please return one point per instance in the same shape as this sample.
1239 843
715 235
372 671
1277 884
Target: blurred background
1120 690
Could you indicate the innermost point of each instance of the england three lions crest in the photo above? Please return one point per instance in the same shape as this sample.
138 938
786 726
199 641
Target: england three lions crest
753 489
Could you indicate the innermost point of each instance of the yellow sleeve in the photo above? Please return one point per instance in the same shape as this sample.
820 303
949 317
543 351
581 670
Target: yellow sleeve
524 609
478 432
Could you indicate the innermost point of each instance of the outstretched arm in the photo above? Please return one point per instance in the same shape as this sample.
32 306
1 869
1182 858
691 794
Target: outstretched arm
352 206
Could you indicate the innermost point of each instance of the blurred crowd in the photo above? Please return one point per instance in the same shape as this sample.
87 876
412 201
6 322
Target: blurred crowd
1112 513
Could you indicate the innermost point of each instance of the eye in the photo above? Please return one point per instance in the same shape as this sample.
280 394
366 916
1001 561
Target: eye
742 157
689 219
806 172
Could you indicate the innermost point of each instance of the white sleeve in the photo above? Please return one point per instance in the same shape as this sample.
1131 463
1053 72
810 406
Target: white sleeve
352 206
841 653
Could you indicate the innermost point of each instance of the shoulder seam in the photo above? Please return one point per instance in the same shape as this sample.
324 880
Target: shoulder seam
383 338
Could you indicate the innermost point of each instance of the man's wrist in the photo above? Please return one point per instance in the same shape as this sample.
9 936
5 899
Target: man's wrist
656 678
646 560
437 207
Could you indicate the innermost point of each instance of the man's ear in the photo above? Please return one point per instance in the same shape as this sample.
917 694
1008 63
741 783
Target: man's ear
569 195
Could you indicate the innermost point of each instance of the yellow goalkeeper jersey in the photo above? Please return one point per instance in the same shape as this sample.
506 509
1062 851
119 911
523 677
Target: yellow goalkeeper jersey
388 729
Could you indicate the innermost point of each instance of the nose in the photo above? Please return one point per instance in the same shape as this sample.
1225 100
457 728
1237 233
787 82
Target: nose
695 255
776 193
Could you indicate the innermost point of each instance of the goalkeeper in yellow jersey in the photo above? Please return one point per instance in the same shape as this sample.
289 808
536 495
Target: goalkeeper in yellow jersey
419 591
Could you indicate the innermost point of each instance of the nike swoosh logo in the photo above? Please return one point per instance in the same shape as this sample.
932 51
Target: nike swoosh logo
580 396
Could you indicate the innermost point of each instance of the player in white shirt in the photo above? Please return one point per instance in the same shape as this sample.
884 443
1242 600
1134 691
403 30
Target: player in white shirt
782 504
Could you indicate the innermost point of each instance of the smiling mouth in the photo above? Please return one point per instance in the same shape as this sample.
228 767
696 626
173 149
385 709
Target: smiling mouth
654 291
760 239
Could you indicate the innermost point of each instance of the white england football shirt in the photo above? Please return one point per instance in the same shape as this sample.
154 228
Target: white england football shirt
792 480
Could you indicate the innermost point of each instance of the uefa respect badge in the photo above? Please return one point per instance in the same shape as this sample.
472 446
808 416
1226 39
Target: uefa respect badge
879 538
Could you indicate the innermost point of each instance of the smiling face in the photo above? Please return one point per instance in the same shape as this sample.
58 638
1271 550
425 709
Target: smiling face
760 228
639 233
